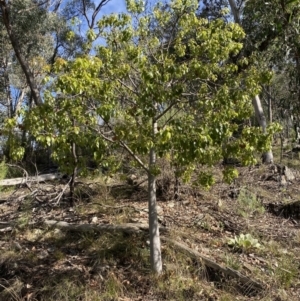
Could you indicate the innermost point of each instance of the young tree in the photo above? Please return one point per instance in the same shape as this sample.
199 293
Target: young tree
135 93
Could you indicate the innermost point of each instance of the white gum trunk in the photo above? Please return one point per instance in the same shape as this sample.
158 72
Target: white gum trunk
267 157
155 245
259 113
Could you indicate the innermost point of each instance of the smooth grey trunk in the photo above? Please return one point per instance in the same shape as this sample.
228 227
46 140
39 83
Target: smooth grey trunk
74 173
9 102
297 132
267 157
75 169
155 245
259 113
281 147
270 113
235 11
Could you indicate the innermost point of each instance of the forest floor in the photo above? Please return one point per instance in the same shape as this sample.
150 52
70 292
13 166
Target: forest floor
41 260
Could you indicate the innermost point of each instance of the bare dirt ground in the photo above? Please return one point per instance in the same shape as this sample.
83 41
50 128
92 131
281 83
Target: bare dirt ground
44 261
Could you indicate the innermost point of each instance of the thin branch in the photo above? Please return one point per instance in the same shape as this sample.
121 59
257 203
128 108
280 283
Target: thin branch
59 196
132 81
171 117
85 14
165 111
97 10
127 87
134 156
124 145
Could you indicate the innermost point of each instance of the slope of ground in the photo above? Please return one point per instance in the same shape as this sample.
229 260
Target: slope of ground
41 260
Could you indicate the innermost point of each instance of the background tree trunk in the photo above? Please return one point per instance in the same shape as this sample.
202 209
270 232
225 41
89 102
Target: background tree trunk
267 157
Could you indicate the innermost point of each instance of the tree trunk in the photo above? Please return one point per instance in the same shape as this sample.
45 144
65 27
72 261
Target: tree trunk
177 189
270 112
259 113
155 246
9 102
75 169
235 11
297 132
267 157
72 183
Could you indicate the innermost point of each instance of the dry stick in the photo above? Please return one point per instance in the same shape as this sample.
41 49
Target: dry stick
5 230
117 207
39 178
211 264
126 228
58 198
25 174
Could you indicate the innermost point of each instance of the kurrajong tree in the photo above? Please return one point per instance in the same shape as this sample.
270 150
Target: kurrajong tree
135 92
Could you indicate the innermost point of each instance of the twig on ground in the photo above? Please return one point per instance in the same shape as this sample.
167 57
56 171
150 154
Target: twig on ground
59 196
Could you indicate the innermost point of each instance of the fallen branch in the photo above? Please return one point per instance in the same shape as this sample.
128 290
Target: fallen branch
24 180
117 207
59 196
5 230
249 283
126 228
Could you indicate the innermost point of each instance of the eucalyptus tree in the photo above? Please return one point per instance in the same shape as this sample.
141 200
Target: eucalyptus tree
134 93
273 27
34 34
259 112
39 31
27 35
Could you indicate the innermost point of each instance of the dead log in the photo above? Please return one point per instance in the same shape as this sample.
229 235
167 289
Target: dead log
24 180
126 228
5 230
247 282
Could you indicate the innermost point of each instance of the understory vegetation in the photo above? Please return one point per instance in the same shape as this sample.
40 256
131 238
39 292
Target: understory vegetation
234 226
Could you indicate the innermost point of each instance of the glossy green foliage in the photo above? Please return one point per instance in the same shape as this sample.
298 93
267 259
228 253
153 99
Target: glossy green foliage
168 68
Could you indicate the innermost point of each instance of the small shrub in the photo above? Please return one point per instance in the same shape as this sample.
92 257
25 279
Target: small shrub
3 171
232 262
244 242
249 204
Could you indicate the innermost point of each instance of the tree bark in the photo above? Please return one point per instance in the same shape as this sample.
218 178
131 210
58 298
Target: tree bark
74 173
270 112
267 157
155 244
235 11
